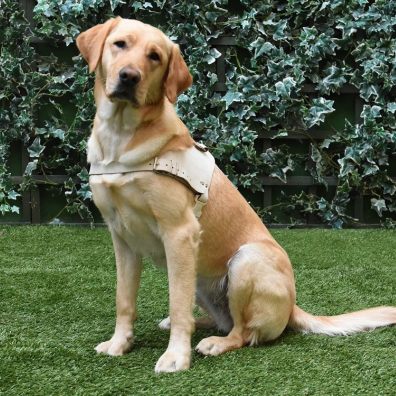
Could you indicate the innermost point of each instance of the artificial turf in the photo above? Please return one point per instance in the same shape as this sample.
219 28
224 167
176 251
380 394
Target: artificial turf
57 290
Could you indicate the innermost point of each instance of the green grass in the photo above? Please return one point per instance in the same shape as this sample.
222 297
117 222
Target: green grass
57 302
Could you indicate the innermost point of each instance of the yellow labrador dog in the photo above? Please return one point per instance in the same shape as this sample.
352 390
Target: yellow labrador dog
224 260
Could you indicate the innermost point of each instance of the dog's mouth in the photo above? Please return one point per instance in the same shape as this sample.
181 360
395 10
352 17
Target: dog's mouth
124 94
128 80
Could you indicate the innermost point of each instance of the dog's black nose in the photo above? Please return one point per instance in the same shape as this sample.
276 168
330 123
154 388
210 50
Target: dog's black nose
129 76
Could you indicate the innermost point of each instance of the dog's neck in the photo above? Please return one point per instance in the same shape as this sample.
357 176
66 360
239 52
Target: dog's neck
123 114
129 135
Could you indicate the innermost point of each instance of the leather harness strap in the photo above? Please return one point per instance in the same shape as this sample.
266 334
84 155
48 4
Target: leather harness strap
193 167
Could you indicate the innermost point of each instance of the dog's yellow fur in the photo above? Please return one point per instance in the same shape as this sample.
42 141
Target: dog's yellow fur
227 261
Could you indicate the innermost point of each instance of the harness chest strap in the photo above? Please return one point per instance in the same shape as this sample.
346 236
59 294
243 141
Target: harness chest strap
193 167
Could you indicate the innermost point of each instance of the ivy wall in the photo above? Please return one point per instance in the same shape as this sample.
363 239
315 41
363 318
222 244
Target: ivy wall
295 99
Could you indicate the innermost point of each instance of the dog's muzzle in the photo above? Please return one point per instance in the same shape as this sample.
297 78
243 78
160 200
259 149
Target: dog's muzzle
128 79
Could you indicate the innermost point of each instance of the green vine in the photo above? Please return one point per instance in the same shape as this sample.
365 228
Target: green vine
46 99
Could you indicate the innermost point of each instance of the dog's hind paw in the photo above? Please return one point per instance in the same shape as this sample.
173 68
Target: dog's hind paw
165 324
208 346
213 346
200 323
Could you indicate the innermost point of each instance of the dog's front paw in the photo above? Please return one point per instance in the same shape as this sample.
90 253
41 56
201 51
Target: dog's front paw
172 361
118 345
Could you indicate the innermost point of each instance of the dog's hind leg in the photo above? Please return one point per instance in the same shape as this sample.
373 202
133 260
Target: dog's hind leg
211 298
261 297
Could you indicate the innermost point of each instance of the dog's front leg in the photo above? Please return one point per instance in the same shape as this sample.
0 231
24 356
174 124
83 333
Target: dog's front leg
129 268
181 244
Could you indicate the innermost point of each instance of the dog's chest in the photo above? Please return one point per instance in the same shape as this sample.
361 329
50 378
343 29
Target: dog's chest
125 208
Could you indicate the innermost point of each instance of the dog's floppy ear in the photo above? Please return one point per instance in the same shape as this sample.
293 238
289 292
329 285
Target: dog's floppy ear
178 78
91 42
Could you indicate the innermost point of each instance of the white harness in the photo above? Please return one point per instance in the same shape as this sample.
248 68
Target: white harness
193 167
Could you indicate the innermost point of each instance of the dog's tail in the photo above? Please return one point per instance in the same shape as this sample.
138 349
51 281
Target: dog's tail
344 324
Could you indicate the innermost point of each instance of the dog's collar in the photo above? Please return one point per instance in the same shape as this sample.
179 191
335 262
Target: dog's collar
193 167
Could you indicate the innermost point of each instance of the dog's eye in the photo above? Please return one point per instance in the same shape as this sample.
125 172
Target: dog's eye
154 56
120 44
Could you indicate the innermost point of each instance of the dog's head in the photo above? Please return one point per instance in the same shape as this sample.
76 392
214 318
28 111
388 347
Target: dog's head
135 62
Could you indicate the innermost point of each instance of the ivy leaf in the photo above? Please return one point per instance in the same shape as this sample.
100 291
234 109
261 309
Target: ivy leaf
45 8
391 107
347 26
58 133
56 222
378 205
369 90
326 143
337 224
213 16
4 208
212 56
115 3
370 169
230 97
370 112
318 111
324 5
334 78
83 175
84 192
35 149
280 133
68 40
280 28
346 167
137 5
318 171
284 87
30 167
13 195
390 189
261 47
